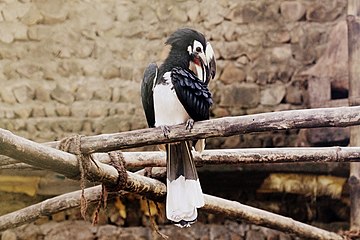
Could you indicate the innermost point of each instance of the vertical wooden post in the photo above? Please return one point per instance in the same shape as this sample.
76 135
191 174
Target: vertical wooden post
353 23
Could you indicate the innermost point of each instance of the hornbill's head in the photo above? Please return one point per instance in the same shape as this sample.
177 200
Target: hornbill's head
200 55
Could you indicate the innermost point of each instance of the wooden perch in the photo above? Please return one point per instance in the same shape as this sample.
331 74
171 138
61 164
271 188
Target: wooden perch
353 23
65 163
244 156
212 204
227 126
266 219
47 207
227 156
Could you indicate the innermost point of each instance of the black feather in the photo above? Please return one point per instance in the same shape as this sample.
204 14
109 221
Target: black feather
147 93
192 93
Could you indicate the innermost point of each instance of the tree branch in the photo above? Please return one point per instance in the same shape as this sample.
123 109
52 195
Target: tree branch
266 219
212 204
227 126
65 163
228 156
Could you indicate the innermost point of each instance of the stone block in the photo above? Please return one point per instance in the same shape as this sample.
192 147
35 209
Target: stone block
87 127
84 93
50 110
71 125
179 14
98 109
32 16
22 111
194 13
110 72
15 10
232 50
29 70
279 36
295 94
281 53
61 95
39 32
116 94
7 95
84 49
114 124
251 12
38 111
232 74
8 235
23 93
246 95
126 72
53 11
62 110
42 94
292 10
325 11
10 31
19 125
102 93
43 126
272 95
91 68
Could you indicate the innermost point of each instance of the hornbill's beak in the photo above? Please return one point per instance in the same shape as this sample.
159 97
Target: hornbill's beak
204 64
211 64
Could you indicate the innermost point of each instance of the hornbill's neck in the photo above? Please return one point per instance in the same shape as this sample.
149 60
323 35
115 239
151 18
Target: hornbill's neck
176 58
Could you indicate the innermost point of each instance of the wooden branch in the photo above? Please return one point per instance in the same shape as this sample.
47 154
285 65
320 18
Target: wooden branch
212 204
266 219
227 126
47 207
245 156
65 163
228 156
353 23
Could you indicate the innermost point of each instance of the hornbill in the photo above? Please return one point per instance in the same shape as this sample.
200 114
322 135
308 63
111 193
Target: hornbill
177 92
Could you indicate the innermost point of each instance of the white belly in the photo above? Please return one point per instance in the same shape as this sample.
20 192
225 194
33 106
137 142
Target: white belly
168 108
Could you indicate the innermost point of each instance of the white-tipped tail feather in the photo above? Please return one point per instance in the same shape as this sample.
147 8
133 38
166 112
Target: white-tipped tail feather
183 198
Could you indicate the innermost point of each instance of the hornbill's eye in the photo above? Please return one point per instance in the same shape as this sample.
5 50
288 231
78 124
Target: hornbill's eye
198 49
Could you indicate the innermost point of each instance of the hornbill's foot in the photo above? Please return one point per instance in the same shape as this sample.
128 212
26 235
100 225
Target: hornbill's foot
165 130
189 124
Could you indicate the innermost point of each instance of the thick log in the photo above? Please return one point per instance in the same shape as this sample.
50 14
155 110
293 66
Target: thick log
227 126
65 163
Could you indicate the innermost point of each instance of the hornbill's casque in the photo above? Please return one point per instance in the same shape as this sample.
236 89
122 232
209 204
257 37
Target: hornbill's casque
177 92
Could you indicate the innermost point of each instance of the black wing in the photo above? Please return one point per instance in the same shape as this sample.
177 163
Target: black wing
192 93
147 93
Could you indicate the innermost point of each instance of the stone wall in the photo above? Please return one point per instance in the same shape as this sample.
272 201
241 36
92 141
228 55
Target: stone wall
75 66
